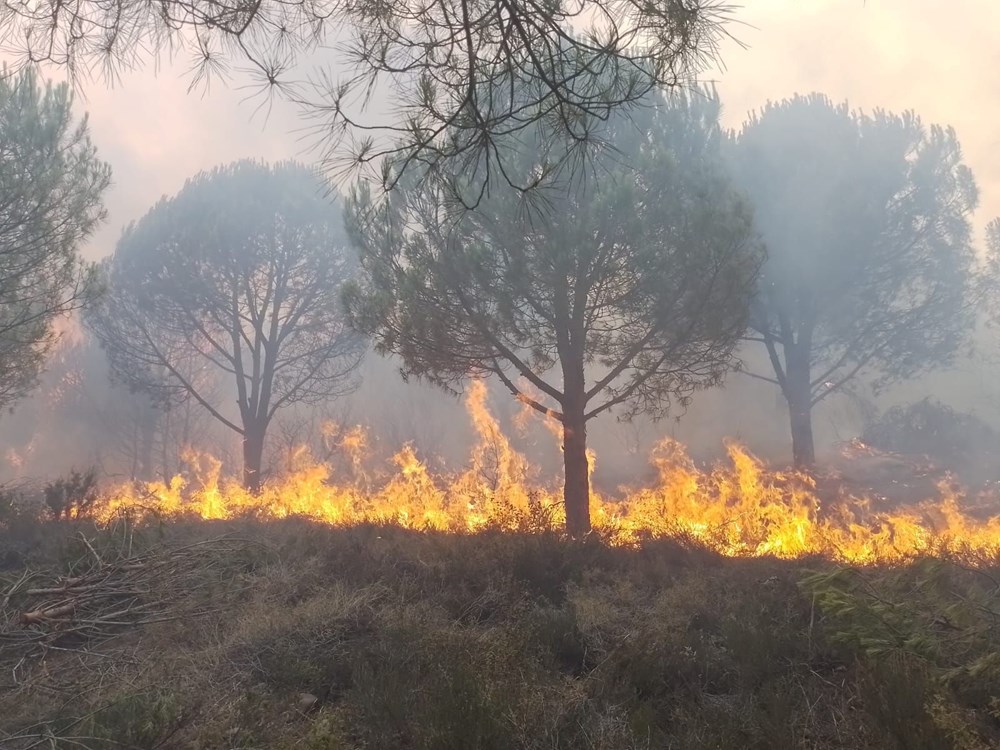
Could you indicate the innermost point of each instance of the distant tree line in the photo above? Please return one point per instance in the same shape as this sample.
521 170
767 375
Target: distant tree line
636 286
838 242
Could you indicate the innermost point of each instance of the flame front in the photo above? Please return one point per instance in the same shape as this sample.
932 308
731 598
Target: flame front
739 509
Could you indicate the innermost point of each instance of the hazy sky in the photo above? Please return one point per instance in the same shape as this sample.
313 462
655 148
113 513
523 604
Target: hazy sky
940 59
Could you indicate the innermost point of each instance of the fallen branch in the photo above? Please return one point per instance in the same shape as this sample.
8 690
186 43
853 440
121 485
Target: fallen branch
111 592
40 615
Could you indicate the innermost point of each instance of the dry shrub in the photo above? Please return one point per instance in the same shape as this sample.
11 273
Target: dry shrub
294 635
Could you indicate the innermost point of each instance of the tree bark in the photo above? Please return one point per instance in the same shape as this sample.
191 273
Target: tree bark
576 492
803 449
798 395
147 430
253 454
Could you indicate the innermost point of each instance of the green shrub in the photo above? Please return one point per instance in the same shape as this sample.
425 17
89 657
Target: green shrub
928 640
930 428
73 495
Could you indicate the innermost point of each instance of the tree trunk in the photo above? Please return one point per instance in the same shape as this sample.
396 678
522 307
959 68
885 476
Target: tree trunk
147 429
803 449
576 492
253 454
165 444
798 394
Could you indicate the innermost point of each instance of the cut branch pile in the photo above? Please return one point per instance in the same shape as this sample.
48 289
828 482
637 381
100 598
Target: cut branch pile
106 595
75 638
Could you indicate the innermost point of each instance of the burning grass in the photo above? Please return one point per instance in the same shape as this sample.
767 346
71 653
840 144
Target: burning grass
292 633
739 508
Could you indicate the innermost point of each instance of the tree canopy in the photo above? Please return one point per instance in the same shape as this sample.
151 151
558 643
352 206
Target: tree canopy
51 190
631 293
866 219
991 277
450 68
235 279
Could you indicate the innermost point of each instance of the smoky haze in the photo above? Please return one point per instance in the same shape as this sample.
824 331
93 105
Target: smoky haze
898 56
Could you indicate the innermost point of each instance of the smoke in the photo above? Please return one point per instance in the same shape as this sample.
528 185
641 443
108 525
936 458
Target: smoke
156 134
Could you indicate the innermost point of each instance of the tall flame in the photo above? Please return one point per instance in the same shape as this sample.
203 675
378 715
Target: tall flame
739 508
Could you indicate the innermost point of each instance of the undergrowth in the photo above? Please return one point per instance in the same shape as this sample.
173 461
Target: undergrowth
295 635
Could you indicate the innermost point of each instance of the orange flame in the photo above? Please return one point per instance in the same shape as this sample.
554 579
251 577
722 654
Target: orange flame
739 509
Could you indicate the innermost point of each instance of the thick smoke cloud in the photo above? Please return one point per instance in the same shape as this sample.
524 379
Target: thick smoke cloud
897 55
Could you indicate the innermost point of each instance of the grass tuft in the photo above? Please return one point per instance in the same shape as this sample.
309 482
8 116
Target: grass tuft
288 634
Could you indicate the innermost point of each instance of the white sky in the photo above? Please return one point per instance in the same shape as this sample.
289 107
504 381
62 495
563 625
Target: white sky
940 59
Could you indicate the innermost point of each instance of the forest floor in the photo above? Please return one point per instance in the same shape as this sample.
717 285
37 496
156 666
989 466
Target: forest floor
290 634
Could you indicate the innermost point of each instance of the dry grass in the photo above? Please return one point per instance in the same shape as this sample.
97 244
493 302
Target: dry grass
295 635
